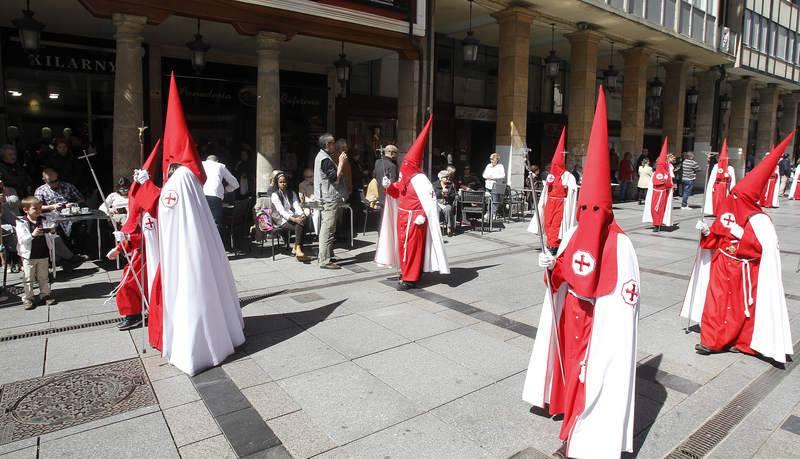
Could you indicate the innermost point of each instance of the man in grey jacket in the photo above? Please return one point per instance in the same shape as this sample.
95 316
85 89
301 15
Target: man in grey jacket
327 186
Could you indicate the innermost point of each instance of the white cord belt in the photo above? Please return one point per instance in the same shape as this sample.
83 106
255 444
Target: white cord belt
747 281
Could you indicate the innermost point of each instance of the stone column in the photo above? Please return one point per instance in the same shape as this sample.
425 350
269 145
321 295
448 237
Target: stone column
582 90
268 108
704 120
634 96
789 120
512 89
739 124
767 119
674 98
128 93
407 87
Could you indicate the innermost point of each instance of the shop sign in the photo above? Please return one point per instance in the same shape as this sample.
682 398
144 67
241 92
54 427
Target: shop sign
476 114
67 59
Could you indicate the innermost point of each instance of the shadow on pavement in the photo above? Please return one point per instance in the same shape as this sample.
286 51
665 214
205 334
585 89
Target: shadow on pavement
363 257
650 398
97 290
282 327
456 277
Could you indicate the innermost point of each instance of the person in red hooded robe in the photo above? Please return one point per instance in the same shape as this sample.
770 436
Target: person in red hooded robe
583 363
410 237
658 203
736 291
720 182
557 204
129 294
769 195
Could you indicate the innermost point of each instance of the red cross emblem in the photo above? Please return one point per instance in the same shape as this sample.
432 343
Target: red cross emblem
551 178
630 292
582 263
169 198
660 176
433 194
720 171
727 219
149 223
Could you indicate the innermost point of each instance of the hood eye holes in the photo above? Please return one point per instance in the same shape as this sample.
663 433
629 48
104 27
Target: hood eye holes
596 208
584 207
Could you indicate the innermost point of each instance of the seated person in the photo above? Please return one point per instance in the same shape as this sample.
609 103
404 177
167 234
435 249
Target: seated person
468 181
306 187
287 214
373 195
116 204
10 205
55 196
446 198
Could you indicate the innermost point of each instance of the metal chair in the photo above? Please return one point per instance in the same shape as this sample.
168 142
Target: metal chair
367 211
473 202
236 219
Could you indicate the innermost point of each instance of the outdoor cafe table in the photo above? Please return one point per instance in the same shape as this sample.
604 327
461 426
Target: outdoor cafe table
93 214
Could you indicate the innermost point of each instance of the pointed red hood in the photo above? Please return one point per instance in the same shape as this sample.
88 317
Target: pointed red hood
558 164
722 163
412 161
179 147
589 262
662 179
136 202
742 203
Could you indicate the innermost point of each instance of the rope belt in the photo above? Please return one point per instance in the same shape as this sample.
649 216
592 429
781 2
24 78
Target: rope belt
747 281
660 198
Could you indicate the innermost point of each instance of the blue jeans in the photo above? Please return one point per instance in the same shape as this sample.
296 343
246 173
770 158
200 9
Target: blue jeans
688 185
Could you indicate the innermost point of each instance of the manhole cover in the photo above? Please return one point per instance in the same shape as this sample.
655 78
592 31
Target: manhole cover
38 406
307 297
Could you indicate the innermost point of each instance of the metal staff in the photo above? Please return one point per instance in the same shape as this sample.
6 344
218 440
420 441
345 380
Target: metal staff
550 295
113 223
145 304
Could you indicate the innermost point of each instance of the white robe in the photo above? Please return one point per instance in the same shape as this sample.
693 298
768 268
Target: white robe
708 207
771 333
151 247
605 428
387 253
570 206
202 321
795 177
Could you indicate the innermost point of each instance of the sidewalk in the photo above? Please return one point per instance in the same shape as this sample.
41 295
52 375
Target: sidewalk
340 364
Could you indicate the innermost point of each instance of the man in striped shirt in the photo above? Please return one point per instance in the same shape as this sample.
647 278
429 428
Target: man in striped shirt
689 167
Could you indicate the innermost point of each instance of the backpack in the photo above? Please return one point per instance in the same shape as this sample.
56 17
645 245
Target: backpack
264 221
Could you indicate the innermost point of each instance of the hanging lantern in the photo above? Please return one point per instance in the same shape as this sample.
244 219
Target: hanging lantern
755 107
199 49
552 62
610 75
779 111
29 29
343 67
470 44
656 86
724 103
692 95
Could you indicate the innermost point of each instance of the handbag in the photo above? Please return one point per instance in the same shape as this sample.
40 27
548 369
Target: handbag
264 221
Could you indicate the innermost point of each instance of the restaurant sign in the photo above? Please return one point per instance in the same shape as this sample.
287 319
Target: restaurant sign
62 58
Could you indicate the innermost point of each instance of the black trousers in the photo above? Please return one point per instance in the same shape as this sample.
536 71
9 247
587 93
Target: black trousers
299 231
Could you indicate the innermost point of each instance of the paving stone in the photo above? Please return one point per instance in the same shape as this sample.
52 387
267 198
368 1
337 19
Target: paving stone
89 426
245 373
22 359
15 316
190 423
457 317
83 349
411 321
300 436
479 352
20 445
424 436
270 400
354 336
158 368
216 447
122 439
174 391
31 452
493 331
247 432
424 377
379 406
295 355
221 396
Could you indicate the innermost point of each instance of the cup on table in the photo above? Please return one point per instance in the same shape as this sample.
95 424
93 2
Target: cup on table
85 210
48 224
65 212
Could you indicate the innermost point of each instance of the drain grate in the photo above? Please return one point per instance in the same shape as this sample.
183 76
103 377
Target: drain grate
50 331
38 406
714 430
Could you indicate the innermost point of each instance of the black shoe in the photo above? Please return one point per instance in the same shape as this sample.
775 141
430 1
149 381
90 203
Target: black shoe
702 349
734 350
129 323
403 285
330 265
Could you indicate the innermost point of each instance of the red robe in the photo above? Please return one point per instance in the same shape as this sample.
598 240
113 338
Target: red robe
721 190
732 283
410 236
554 212
129 296
770 189
660 198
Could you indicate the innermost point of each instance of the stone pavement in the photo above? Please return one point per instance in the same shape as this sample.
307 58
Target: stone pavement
340 364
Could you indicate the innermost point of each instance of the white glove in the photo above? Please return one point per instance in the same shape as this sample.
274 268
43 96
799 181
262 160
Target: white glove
119 236
112 254
736 230
386 182
546 260
420 220
140 176
701 225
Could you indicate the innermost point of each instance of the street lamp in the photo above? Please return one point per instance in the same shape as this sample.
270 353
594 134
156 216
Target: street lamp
552 62
656 86
343 67
610 75
470 44
755 107
779 111
29 29
199 48
724 103
692 94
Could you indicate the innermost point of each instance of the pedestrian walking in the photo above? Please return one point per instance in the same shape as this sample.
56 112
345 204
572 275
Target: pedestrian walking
645 180
689 169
